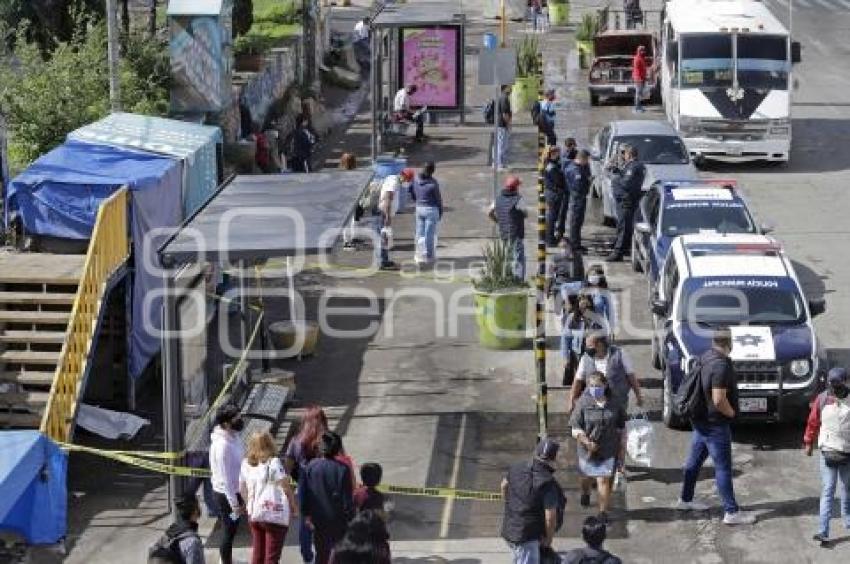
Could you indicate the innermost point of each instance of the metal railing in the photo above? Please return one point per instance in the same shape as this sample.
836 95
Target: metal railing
109 248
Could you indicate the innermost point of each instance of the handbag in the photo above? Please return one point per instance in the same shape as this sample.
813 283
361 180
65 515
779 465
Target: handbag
269 503
835 458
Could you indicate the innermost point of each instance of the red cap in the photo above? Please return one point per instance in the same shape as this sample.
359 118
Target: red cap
512 182
408 174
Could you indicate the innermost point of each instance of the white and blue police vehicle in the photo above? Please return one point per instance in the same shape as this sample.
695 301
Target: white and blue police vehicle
744 282
681 207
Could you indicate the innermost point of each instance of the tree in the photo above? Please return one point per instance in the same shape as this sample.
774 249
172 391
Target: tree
243 16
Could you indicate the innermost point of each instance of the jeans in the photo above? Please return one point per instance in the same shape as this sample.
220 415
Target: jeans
266 542
829 479
638 95
547 128
305 533
625 224
526 553
228 527
427 219
519 259
381 251
503 141
556 215
577 207
715 440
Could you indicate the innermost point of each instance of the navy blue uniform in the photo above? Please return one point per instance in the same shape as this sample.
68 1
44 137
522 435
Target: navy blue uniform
626 186
578 185
556 202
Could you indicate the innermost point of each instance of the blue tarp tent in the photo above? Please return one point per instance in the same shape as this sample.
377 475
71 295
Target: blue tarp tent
33 500
59 195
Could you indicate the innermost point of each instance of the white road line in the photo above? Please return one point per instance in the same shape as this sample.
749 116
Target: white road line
445 522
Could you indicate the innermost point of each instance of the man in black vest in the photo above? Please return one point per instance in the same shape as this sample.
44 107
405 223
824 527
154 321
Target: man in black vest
509 212
534 504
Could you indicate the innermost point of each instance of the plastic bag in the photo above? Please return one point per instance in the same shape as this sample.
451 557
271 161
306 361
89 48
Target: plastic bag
640 439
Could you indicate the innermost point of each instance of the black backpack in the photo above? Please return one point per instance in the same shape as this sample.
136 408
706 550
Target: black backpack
689 401
167 549
490 112
536 109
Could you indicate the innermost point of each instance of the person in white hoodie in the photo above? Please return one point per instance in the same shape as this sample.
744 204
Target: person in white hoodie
226 454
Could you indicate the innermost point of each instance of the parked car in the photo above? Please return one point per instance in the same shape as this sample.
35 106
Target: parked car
611 70
659 147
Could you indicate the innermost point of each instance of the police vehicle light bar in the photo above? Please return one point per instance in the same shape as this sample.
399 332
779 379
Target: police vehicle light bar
753 249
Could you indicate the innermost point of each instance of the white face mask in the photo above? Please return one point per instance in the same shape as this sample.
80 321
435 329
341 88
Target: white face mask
593 279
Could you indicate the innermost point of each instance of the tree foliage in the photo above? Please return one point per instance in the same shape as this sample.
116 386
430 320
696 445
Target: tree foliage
243 16
49 22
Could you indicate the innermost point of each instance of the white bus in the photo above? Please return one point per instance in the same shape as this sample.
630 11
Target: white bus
726 79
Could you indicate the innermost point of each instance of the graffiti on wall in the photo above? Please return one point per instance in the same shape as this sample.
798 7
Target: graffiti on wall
200 64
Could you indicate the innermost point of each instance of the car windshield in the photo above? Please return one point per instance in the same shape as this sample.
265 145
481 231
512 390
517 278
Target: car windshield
706 61
755 301
681 218
763 62
657 149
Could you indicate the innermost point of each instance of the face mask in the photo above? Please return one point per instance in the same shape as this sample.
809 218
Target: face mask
596 392
593 279
590 350
840 391
237 425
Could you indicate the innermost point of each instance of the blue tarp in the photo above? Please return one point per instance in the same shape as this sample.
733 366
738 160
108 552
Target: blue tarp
59 195
33 499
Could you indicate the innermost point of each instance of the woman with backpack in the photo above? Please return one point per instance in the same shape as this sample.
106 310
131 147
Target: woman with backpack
270 502
829 424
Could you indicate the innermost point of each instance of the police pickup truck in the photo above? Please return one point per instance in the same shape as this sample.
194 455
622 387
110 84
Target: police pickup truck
747 283
673 208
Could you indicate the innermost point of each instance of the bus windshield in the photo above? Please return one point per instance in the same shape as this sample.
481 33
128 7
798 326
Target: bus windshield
706 61
763 62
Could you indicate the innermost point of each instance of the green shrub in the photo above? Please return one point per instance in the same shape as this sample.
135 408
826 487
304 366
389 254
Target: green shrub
588 28
526 57
278 13
498 271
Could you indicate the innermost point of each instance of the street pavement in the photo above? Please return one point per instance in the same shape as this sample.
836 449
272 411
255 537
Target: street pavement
416 393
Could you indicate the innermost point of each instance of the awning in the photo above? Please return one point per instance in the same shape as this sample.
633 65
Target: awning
258 217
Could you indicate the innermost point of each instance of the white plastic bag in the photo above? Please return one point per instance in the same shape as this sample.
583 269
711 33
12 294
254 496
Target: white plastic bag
640 439
268 503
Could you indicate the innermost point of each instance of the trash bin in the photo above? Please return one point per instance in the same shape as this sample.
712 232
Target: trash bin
386 166
490 41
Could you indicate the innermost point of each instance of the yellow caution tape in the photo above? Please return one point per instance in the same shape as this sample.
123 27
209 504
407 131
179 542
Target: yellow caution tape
448 493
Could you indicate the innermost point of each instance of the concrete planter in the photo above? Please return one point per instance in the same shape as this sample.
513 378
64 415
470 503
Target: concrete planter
524 93
559 13
294 338
501 319
585 53
248 62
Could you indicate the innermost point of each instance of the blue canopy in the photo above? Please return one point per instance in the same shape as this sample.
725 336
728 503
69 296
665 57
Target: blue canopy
33 500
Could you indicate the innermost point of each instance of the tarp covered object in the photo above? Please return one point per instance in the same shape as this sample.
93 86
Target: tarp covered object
59 194
33 498
195 144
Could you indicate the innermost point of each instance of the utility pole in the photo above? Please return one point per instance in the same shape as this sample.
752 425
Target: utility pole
112 52
540 282
503 25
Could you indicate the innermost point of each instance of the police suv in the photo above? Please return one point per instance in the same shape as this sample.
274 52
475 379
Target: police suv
744 282
674 208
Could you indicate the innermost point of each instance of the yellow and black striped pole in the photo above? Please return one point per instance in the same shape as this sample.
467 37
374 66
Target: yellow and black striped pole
540 313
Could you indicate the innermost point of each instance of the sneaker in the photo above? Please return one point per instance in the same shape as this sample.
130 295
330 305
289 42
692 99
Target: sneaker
822 539
739 518
584 500
691 505
504 168
389 266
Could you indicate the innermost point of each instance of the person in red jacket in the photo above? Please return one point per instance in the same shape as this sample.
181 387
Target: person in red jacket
639 75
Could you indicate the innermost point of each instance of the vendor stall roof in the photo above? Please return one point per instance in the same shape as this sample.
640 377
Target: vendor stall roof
418 13
194 7
258 217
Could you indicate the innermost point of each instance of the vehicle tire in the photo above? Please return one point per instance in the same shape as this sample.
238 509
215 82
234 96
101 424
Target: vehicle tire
671 419
594 99
637 266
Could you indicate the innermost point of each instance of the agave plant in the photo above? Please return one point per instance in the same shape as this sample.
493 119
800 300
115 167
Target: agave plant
588 28
526 56
498 271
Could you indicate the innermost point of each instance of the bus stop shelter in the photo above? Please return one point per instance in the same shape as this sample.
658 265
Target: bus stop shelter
419 43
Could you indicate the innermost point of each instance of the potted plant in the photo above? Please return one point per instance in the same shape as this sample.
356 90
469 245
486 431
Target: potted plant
586 31
559 12
527 81
248 51
501 300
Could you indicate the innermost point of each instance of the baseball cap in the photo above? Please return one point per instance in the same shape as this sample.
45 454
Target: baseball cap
837 375
547 449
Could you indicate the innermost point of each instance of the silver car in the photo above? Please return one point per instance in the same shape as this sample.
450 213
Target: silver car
659 148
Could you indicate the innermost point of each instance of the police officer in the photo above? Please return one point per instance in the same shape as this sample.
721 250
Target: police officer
626 185
556 197
509 213
577 174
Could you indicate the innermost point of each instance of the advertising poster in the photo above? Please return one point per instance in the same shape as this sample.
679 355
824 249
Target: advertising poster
430 59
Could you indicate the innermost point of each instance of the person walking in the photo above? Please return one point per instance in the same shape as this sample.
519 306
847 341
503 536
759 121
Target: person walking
509 213
627 186
225 463
828 426
712 433
534 504
604 303
593 531
611 361
575 325
578 176
302 146
365 542
269 499
503 132
367 496
556 197
598 424
388 205
639 76
546 117
300 451
429 211
181 538
569 152
403 110
328 503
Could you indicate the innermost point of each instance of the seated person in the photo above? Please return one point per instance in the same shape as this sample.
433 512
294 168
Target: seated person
403 112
